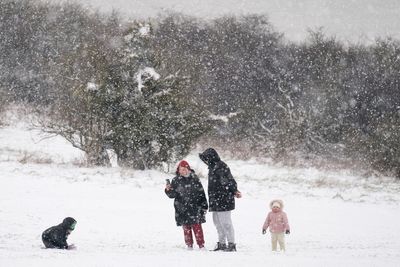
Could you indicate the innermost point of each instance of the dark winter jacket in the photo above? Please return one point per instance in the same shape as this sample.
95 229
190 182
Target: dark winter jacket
190 200
56 236
221 184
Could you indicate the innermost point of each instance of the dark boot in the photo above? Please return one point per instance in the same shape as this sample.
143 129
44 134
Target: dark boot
220 247
231 247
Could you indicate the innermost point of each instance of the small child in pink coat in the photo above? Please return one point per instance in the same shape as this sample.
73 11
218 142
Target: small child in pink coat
278 224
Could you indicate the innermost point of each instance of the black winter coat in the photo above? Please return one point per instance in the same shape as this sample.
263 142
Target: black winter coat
221 184
190 200
56 236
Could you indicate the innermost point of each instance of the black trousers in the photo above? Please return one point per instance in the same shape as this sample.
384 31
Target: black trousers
48 243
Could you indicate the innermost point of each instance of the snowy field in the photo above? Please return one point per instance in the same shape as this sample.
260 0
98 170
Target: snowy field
125 219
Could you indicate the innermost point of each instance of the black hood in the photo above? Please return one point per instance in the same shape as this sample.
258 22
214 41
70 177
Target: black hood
68 222
210 156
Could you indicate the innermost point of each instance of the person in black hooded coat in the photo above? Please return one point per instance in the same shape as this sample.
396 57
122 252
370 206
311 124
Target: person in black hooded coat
190 203
222 190
56 236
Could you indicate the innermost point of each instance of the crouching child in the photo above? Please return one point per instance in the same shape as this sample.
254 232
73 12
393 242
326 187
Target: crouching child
56 236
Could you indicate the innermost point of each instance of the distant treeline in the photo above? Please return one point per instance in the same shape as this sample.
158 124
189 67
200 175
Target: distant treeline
150 89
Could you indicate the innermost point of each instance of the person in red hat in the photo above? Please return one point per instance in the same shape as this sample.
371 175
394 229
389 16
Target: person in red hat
190 203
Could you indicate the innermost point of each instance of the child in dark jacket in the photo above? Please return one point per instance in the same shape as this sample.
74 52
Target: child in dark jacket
190 203
56 236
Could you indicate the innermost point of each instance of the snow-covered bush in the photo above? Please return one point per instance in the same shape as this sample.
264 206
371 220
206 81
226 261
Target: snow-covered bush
26 50
81 44
383 151
151 119
115 98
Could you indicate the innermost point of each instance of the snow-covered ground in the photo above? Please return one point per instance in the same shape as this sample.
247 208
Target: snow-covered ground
125 219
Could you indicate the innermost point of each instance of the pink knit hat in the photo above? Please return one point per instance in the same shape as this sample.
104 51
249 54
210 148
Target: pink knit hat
182 163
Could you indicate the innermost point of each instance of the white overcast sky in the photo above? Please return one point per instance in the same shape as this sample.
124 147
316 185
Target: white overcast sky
348 20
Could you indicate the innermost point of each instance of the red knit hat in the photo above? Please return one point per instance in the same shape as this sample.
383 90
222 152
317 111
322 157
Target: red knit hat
182 163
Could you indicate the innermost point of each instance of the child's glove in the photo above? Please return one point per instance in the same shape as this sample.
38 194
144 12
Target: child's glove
287 232
264 231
